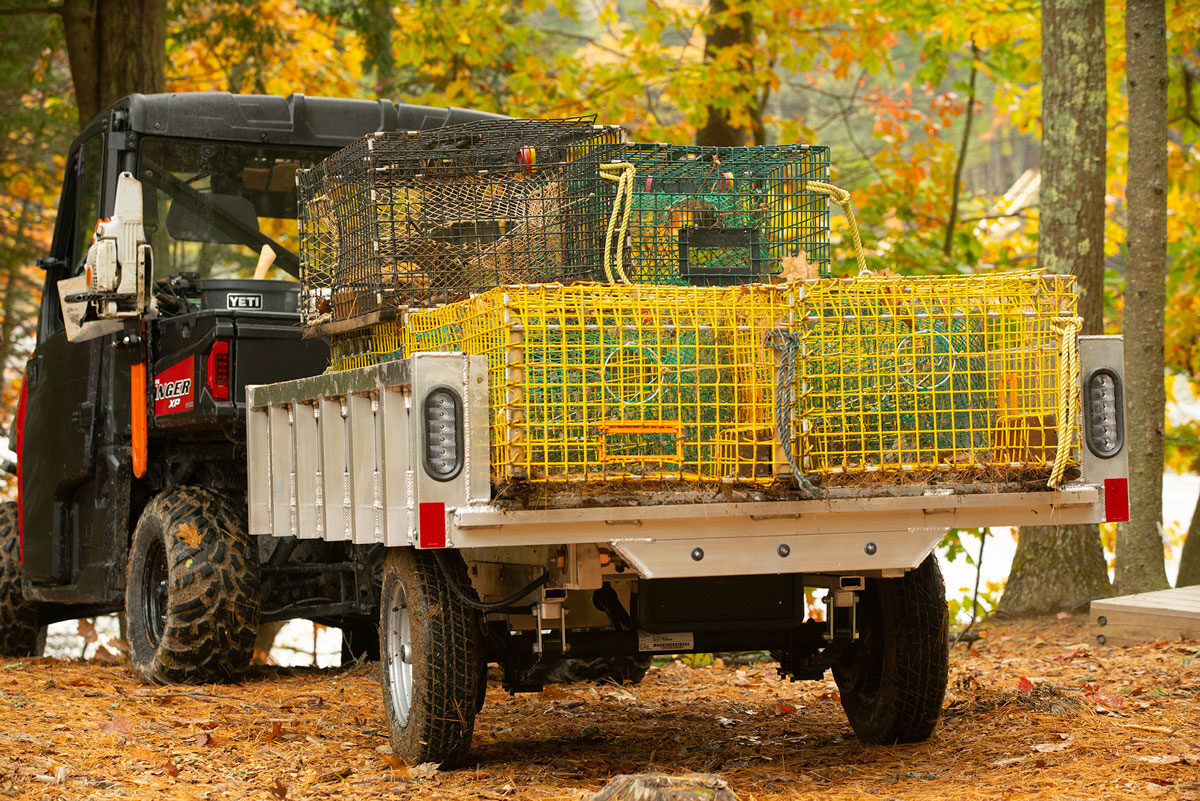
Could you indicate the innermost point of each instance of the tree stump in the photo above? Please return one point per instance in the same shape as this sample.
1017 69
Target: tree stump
661 787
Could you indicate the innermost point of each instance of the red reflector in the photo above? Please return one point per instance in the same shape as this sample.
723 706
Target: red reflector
1116 500
431 518
216 373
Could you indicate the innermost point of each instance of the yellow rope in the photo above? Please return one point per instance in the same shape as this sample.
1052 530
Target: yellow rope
1068 396
842 198
618 220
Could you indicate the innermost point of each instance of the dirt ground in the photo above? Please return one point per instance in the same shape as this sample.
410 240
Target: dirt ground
1033 712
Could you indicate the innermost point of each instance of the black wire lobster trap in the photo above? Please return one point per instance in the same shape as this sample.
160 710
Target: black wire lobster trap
408 219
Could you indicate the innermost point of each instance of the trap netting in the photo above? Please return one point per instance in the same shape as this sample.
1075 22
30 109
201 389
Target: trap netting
726 215
831 379
420 218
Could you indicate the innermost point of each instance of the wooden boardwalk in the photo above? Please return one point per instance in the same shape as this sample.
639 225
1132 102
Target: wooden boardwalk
1147 617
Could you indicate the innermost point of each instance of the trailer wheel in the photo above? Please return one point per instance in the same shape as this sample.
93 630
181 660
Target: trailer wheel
429 642
893 679
20 634
192 592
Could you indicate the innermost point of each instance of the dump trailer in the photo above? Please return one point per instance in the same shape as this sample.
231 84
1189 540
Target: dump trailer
584 466
396 454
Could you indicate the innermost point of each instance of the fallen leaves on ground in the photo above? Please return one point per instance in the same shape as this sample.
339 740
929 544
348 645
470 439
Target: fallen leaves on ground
1030 712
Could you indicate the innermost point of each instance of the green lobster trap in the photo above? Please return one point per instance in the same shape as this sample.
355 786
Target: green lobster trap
719 216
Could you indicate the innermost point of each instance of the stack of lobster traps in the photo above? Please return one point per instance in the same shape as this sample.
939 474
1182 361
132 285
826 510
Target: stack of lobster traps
658 313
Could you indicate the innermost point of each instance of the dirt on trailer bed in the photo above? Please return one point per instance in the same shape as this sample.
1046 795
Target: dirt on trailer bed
1034 710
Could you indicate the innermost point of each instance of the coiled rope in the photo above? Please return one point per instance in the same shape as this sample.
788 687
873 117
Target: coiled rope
1068 329
622 172
842 198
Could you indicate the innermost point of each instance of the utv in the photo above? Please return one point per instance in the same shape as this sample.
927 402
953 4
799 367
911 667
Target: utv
130 432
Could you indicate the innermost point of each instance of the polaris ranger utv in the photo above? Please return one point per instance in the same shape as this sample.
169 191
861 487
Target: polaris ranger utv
131 429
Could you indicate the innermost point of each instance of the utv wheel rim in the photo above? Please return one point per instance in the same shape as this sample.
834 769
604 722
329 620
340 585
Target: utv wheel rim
154 590
399 654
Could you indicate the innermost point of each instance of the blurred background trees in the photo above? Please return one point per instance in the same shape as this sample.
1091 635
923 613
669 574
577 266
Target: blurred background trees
934 111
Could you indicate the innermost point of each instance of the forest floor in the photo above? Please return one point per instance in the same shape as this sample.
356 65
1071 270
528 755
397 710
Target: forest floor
1033 711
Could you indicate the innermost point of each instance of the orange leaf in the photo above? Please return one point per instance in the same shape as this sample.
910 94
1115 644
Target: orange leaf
119 725
188 533
396 763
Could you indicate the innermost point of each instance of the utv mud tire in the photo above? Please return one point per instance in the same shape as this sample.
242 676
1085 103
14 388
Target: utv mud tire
430 642
192 593
893 679
19 631
613 669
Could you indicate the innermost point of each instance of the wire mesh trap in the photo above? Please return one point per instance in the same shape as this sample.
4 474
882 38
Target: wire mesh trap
924 376
940 373
617 382
416 219
726 215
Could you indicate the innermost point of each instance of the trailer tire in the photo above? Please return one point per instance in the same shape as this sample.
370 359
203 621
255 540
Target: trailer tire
20 634
192 594
892 680
430 647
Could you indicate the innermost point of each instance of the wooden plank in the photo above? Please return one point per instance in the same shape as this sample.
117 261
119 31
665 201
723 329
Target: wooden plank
1182 598
1178 592
1146 617
1182 605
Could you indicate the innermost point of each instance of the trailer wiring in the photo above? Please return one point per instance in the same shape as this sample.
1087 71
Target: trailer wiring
482 606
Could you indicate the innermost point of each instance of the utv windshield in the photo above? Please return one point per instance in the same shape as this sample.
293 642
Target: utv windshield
210 207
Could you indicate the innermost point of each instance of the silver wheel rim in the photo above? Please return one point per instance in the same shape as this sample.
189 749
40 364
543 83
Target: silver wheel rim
399 653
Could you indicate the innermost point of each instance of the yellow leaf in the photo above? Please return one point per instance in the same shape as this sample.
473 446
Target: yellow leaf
464 37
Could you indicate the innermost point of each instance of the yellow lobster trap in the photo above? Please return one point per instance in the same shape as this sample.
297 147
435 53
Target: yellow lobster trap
946 374
821 382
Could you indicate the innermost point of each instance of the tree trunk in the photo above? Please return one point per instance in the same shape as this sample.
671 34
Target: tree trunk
1189 560
1074 125
1057 568
1140 564
374 22
718 130
8 312
115 48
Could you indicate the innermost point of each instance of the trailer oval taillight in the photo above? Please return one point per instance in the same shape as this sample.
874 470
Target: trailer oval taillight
217 370
1104 418
442 412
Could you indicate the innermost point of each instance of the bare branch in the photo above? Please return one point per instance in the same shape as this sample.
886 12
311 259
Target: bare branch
948 245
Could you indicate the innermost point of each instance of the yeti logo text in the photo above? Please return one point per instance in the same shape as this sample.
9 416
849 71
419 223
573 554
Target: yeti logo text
235 300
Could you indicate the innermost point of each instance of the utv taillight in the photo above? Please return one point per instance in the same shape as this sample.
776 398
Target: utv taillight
217 370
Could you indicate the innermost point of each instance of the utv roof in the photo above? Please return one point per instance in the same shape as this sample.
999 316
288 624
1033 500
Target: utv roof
293 120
